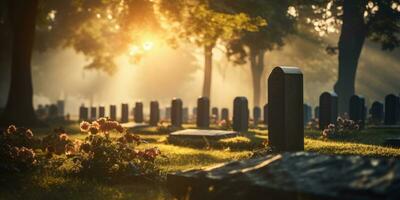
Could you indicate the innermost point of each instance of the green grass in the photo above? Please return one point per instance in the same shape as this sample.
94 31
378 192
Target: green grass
192 155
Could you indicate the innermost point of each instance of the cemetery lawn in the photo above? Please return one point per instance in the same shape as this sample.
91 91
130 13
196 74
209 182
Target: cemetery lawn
39 185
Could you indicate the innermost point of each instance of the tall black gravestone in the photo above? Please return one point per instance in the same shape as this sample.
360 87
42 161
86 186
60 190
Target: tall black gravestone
328 109
113 112
138 112
102 111
203 112
376 112
176 112
240 114
124 113
154 113
285 109
391 108
357 110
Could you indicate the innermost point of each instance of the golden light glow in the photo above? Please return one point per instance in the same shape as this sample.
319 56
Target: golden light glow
147 46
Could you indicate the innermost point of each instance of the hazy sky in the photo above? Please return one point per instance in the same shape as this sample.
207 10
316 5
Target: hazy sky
166 73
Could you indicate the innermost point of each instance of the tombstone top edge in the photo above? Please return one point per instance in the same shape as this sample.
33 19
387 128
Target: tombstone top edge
287 70
329 93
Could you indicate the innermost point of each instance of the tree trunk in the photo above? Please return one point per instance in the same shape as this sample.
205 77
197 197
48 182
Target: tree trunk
257 68
19 109
207 71
351 41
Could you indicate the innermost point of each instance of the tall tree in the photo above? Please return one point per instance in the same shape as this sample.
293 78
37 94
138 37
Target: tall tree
254 45
196 22
357 20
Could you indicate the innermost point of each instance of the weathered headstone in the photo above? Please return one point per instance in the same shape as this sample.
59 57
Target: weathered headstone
256 115
357 110
154 113
285 109
225 114
113 112
240 114
215 114
176 112
61 108
203 112
328 109
124 113
93 113
102 111
185 115
376 112
138 112
307 111
265 114
316 112
83 113
391 108
53 112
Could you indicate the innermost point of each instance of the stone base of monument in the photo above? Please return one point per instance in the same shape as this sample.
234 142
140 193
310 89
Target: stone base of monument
134 125
298 175
200 134
384 127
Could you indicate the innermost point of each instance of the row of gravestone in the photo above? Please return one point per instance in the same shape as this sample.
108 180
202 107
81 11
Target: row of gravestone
388 113
51 111
285 110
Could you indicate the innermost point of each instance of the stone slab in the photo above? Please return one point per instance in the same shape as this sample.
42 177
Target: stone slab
300 175
201 133
130 125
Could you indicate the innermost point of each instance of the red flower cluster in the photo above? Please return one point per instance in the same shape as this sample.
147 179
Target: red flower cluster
148 154
23 154
130 138
103 125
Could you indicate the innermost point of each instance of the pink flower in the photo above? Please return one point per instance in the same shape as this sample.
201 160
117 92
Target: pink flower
11 129
28 133
84 126
63 137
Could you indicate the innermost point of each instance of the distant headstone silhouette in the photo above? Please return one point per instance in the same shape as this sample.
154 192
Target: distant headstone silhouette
285 109
357 110
307 114
225 114
113 112
61 108
53 112
124 113
176 112
240 114
214 112
328 109
391 108
138 112
102 111
83 113
203 112
316 112
168 113
154 113
185 115
376 112
256 115
265 114
93 113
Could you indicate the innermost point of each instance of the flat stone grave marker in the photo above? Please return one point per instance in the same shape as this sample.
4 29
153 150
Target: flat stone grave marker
300 175
201 133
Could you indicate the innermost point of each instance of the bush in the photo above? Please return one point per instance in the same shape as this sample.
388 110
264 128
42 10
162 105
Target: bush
343 126
16 153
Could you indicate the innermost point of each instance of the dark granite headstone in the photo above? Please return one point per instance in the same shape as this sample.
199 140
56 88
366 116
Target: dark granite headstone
176 112
357 110
93 113
265 114
328 109
154 113
124 113
215 114
113 112
138 112
297 176
256 115
83 113
307 111
391 108
240 114
53 112
285 109
376 112
102 111
225 114
316 112
203 112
